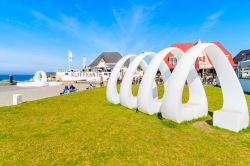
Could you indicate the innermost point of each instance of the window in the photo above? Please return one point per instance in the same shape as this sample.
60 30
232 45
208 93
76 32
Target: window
172 60
245 72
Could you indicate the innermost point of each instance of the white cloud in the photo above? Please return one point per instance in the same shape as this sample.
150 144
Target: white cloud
130 32
209 23
211 20
215 15
64 23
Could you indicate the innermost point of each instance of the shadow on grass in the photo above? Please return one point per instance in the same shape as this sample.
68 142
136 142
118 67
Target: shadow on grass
246 130
172 124
106 103
159 116
210 121
67 121
136 110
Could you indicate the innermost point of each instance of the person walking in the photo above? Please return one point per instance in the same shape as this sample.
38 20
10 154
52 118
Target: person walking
11 79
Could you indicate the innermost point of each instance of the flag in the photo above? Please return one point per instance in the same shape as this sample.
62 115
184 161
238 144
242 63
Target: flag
84 62
70 56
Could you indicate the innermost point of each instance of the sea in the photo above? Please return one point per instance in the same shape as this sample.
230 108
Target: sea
16 77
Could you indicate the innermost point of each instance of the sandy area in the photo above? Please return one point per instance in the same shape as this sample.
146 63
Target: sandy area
29 94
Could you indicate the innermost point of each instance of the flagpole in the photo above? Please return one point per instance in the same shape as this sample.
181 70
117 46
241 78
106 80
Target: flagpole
70 56
69 66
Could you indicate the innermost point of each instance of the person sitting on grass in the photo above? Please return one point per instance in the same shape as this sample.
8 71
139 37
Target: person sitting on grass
72 88
65 90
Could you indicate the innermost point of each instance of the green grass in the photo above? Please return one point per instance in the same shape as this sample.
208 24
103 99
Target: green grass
84 129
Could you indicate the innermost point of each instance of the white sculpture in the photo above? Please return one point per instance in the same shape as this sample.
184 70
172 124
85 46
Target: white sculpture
112 94
126 97
40 77
149 105
39 80
234 113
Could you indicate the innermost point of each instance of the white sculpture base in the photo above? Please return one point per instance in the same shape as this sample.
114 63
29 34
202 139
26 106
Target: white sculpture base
231 120
32 84
38 84
39 80
192 111
55 83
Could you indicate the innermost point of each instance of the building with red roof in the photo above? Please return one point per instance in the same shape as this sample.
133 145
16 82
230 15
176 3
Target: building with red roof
203 62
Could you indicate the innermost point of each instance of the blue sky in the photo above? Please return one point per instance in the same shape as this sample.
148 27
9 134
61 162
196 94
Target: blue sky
36 35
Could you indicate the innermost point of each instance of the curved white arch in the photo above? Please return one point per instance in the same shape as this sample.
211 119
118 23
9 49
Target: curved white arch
40 76
147 104
234 113
111 93
39 80
126 97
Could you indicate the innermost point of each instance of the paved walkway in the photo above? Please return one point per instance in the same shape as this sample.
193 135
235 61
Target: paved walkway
30 94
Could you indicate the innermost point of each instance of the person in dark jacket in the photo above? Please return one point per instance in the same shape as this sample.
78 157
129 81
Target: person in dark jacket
11 79
72 88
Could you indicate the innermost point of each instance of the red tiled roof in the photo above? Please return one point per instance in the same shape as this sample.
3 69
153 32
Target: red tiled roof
186 46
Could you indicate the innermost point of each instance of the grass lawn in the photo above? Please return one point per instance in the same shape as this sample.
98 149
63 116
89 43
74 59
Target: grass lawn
83 128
